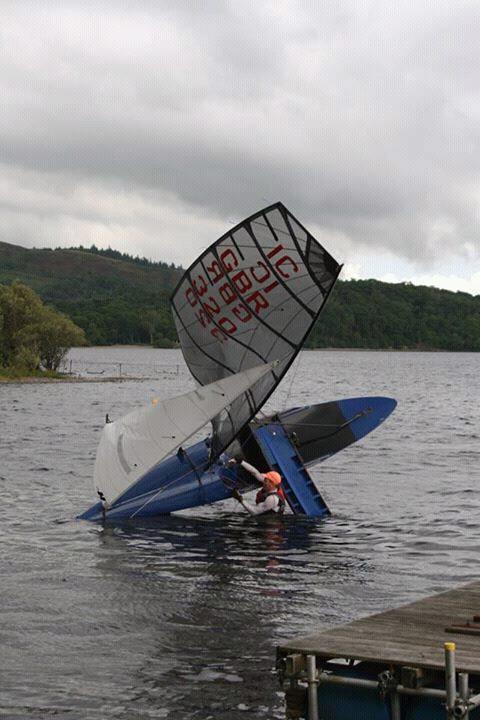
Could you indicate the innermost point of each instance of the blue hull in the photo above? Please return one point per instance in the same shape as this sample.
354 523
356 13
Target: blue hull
187 481
181 482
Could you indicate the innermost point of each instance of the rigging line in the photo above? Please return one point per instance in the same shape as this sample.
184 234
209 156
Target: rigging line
193 468
337 430
295 367
299 424
252 342
121 503
261 413
163 488
215 426
289 363
291 359
253 405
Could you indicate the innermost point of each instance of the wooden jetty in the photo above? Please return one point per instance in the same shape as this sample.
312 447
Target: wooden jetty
415 651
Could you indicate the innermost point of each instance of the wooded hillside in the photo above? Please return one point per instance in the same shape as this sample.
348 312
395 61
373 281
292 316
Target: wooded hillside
116 298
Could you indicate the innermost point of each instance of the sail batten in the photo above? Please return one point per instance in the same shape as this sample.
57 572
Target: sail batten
181 329
254 294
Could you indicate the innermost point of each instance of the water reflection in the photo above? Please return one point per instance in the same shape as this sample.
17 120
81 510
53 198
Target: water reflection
210 595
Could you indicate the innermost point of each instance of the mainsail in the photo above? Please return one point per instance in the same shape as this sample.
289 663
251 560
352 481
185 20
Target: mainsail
252 296
135 443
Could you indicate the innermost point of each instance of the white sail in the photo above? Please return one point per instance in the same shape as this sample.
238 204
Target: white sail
135 443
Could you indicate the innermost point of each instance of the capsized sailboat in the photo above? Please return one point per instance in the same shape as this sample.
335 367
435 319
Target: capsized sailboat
243 311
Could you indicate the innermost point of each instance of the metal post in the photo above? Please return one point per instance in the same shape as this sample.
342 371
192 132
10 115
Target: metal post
70 371
395 705
119 369
312 680
450 679
373 685
464 691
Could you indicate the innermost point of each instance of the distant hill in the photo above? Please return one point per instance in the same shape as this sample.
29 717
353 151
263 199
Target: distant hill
116 298
373 314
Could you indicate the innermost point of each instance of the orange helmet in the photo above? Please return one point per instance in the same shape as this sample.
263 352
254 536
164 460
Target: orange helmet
274 477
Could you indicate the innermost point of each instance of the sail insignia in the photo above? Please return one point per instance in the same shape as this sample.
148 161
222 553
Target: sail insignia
252 296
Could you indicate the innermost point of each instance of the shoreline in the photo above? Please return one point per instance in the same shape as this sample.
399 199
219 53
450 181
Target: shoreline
303 349
42 380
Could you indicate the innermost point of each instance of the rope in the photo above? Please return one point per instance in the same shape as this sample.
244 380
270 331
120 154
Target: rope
162 490
294 374
338 428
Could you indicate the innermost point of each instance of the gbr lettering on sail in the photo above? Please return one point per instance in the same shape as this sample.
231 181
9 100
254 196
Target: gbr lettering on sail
226 297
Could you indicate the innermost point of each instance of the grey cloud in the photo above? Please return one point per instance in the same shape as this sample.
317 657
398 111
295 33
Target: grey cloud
363 118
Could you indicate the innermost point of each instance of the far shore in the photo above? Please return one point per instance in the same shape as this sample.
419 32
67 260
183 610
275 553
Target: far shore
304 349
66 379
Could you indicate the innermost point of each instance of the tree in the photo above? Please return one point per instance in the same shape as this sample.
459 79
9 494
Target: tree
32 334
55 335
19 307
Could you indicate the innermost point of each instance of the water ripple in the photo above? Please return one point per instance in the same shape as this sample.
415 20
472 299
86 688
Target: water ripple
179 617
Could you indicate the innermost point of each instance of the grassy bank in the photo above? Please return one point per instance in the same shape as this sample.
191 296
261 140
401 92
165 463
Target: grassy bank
20 375
16 374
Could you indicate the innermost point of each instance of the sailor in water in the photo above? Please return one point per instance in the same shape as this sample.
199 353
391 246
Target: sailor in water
270 499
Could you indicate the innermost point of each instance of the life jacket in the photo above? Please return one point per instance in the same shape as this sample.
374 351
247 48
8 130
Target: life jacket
262 496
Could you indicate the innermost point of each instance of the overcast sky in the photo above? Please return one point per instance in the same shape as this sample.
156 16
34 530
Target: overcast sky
153 126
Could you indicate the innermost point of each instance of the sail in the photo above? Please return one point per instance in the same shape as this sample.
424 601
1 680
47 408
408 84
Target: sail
252 296
135 443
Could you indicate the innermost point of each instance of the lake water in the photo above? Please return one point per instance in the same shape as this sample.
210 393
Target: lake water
179 618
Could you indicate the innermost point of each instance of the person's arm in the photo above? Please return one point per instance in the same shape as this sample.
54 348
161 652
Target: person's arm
252 470
270 503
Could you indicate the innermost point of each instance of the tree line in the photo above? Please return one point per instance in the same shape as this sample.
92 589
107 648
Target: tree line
374 315
118 299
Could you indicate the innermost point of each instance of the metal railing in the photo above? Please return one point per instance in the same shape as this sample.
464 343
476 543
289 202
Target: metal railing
457 699
120 369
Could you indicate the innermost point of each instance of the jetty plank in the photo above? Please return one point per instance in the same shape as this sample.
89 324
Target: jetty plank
413 634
